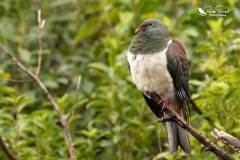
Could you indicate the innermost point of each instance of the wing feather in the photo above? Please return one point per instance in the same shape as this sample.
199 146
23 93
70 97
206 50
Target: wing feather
178 69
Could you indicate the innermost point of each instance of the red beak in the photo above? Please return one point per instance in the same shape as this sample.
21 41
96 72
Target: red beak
138 29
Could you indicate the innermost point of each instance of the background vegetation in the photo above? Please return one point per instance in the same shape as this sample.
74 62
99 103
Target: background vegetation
90 38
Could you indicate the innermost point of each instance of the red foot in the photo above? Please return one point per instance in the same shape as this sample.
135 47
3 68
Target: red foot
164 102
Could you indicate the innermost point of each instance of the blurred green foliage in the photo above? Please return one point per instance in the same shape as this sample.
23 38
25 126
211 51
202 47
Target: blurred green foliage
90 38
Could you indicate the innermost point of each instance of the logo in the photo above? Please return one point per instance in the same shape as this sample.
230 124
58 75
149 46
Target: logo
218 11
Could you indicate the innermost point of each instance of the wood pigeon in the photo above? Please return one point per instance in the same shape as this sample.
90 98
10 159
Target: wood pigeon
159 68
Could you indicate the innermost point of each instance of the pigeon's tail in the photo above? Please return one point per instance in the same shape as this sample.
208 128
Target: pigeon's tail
177 136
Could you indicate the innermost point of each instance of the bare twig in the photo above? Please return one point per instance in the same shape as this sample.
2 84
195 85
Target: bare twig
227 139
43 87
6 150
40 27
50 98
14 60
76 99
15 80
210 146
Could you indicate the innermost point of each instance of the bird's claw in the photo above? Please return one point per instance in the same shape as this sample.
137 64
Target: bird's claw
164 103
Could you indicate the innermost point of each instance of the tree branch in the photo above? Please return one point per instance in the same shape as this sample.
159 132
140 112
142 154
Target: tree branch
50 98
210 146
174 117
227 139
6 150
40 27
36 78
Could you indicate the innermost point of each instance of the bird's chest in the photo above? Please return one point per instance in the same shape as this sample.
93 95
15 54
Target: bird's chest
150 73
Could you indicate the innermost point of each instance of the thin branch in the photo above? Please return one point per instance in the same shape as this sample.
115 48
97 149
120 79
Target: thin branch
6 150
14 60
227 139
50 98
15 80
210 146
40 27
76 99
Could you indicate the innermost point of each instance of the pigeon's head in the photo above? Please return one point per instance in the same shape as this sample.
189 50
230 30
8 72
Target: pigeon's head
151 25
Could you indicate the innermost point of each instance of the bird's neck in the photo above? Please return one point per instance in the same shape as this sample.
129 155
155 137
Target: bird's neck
148 43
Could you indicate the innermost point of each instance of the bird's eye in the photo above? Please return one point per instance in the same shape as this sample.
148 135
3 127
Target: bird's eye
150 24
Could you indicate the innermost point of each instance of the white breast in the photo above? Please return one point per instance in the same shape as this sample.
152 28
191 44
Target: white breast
150 73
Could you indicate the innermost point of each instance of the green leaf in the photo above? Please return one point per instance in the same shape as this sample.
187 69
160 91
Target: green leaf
25 55
100 66
50 83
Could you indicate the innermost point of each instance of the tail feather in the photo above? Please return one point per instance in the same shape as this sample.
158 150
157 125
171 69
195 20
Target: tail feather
183 137
177 136
184 141
173 140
